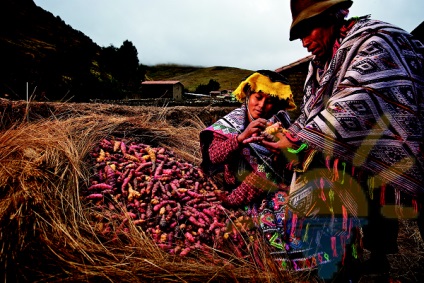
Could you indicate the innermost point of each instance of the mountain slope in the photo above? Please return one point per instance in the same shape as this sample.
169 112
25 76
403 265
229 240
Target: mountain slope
191 77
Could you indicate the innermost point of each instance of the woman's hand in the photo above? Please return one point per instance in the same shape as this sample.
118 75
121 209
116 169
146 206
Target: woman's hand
278 146
253 131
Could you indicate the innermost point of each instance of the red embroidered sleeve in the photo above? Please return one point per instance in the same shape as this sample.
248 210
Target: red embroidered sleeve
252 187
220 149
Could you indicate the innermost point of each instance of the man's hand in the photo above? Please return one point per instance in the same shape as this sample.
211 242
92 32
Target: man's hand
278 146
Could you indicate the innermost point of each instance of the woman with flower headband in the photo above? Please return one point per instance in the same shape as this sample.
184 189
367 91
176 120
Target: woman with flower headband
231 145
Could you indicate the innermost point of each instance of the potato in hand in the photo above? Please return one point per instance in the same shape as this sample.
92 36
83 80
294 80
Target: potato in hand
271 131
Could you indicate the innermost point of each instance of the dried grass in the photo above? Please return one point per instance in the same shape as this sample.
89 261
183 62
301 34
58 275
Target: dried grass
47 234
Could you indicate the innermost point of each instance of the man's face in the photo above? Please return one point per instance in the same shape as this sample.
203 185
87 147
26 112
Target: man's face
319 41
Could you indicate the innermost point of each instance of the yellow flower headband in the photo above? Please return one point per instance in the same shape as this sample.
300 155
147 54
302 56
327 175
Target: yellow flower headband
261 83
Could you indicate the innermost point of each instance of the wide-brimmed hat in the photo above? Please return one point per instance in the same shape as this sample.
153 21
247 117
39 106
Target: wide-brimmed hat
305 10
268 82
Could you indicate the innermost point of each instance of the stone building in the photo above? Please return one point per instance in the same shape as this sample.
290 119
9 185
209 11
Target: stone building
162 89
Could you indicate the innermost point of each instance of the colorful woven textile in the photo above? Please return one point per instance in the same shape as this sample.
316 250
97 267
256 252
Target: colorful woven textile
308 228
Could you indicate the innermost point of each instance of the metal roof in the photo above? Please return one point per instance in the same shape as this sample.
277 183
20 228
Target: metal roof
296 63
160 82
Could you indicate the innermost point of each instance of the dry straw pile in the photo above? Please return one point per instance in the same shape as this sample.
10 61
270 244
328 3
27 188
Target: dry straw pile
46 234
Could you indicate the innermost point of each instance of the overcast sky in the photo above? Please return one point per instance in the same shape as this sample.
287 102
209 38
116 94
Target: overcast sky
247 34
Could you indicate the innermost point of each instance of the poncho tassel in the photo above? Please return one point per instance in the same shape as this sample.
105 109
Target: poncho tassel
354 251
383 195
343 243
344 224
293 228
321 184
335 170
334 246
305 236
415 205
344 172
331 196
327 162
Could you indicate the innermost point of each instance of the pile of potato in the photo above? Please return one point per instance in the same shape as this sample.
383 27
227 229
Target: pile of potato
171 200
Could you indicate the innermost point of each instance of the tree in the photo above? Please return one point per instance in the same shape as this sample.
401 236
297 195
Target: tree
123 64
128 65
109 58
205 89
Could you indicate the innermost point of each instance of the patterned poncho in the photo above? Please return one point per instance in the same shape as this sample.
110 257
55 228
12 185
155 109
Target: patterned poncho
367 107
362 119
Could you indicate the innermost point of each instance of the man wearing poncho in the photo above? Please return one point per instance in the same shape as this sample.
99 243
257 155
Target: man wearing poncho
361 121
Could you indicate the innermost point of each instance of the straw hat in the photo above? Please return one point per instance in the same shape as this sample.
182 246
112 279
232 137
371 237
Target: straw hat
268 82
305 10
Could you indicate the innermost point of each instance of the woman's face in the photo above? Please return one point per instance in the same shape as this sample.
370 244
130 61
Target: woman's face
260 105
319 41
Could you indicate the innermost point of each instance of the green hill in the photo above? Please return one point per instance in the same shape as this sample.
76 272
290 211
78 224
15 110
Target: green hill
191 77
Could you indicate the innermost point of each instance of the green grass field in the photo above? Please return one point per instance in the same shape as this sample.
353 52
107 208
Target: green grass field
192 76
